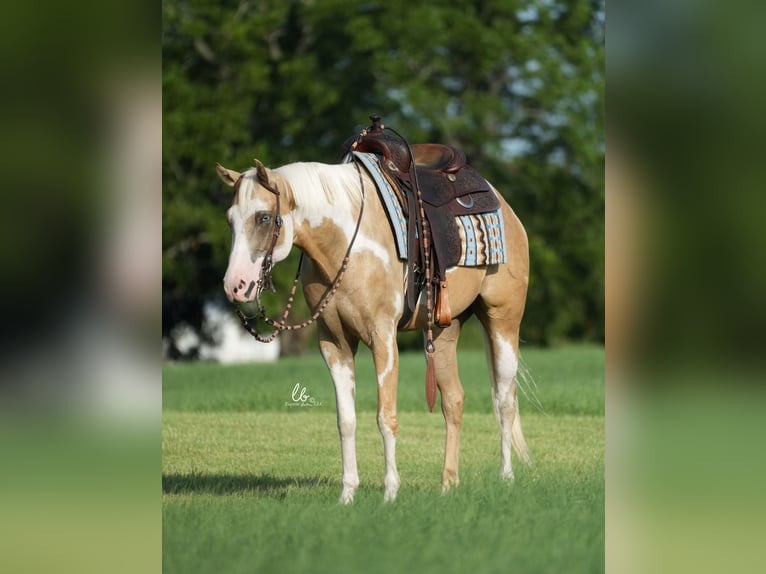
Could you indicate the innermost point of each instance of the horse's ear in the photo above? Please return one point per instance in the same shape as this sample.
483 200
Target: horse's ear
228 176
262 172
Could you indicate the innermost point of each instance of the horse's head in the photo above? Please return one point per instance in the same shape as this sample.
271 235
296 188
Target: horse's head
252 218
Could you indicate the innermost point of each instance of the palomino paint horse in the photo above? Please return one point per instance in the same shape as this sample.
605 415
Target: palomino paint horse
319 205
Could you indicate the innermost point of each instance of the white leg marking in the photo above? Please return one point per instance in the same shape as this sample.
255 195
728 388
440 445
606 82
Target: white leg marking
391 480
505 366
343 379
387 376
398 302
389 361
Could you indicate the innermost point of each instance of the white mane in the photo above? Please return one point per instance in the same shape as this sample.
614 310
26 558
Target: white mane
317 186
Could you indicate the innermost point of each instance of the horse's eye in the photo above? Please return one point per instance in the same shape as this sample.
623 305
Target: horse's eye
264 218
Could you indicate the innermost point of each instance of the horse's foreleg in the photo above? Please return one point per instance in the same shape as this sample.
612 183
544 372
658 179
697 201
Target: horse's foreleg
340 361
386 358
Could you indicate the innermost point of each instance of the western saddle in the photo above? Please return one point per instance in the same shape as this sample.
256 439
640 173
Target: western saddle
434 184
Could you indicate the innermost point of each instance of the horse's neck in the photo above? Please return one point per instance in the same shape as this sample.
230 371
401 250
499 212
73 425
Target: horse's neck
327 200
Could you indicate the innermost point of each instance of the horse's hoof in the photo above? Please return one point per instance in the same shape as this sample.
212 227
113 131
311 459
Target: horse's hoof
389 495
347 496
507 475
449 481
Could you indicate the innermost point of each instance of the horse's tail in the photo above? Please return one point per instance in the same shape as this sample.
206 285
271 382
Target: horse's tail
518 442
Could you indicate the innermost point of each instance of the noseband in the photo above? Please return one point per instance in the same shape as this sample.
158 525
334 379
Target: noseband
265 280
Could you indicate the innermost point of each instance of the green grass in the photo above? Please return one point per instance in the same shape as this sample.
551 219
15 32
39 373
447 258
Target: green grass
251 485
569 381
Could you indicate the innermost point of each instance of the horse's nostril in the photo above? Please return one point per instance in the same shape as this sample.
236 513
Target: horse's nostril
235 289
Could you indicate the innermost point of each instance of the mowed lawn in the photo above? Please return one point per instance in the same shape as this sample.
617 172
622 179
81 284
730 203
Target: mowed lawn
251 481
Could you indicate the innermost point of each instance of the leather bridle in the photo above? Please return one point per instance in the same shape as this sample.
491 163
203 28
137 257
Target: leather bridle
265 280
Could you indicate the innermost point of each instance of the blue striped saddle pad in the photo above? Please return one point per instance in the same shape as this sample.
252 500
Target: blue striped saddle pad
482 235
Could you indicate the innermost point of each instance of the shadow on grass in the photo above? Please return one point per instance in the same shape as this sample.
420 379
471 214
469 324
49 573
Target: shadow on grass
263 484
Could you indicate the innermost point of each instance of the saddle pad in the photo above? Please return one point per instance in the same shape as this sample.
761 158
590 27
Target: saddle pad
390 201
482 236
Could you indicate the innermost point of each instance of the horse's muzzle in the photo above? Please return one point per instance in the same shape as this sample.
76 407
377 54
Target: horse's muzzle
241 291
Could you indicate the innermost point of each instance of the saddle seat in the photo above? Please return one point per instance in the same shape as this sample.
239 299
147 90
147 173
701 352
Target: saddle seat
438 157
431 156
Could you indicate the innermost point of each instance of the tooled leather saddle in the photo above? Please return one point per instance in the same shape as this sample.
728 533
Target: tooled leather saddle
448 187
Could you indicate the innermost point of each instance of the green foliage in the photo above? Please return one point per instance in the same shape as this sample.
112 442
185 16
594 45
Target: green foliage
519 88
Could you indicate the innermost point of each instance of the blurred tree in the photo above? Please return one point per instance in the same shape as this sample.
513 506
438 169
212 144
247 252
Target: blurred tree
517 85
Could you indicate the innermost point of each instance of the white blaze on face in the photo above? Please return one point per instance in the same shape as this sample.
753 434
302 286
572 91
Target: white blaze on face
243 270
251 241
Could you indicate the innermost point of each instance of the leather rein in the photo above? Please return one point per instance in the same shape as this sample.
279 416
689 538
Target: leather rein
265 281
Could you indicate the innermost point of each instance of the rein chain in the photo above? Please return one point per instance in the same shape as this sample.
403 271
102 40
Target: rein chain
425 230
265 280
424 227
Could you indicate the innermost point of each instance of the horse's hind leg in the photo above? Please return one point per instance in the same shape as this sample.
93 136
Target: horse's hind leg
501 328
452 397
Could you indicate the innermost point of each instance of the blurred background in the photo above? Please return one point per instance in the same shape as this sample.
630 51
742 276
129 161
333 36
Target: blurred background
685 306
518 85
80 228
